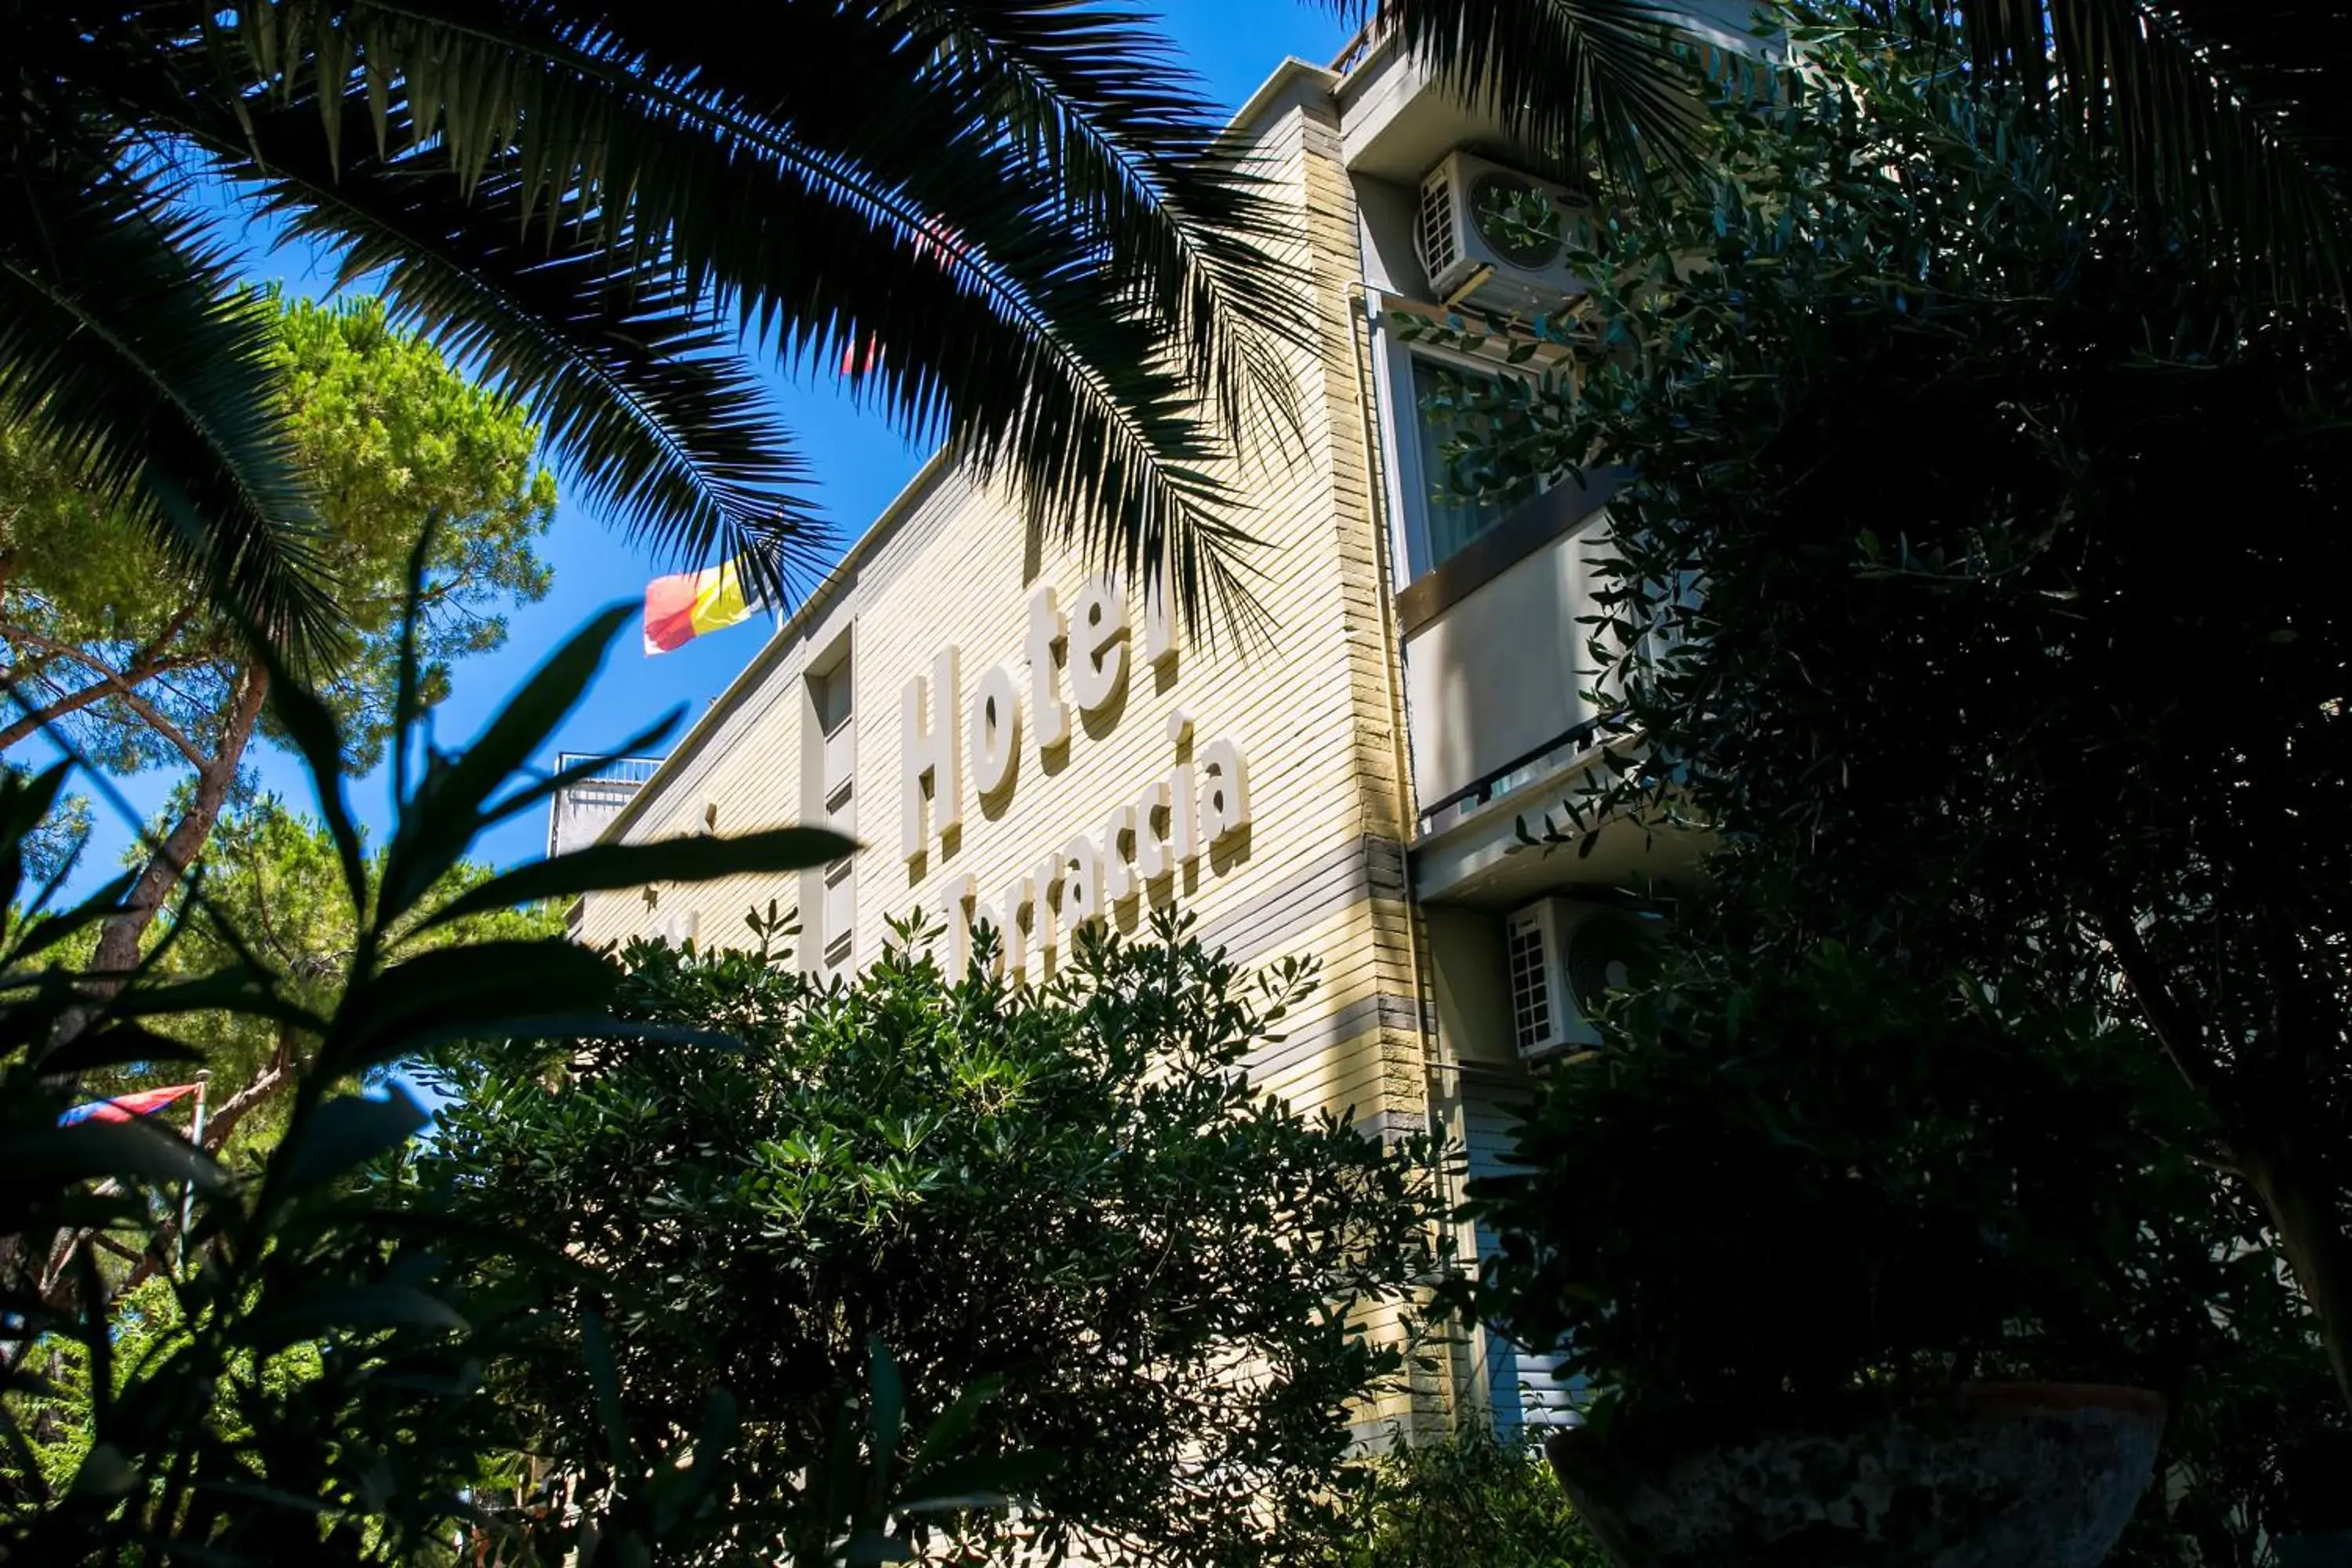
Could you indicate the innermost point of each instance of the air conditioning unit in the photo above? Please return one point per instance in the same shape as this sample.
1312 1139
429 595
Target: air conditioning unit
1472 259
1563 956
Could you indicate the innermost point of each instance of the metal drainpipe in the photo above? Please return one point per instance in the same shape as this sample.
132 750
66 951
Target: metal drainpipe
1361 322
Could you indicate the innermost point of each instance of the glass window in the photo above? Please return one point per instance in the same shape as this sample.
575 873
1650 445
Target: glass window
833 689
1451 521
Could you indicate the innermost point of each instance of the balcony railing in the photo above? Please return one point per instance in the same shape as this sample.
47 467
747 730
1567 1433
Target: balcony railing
629 772
1520 771
580 809
1367 39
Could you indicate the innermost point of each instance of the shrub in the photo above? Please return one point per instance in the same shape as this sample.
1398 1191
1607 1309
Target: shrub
1076 1193
1475 1500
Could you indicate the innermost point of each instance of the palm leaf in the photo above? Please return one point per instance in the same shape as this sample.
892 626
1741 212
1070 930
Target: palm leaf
1144 166
124 346
1083 105
1587 85
1119 260
631 379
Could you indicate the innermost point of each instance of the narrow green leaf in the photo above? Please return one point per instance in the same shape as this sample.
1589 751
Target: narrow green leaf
134 1151
115 1044
51 930
104 1473
978 1482
439 821
480 990
605 1378
351 1129
600 867
353 1306
890 1415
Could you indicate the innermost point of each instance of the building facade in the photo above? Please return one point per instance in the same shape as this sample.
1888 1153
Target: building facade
1013 740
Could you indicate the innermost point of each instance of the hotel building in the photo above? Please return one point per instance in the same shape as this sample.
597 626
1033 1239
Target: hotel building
1012 740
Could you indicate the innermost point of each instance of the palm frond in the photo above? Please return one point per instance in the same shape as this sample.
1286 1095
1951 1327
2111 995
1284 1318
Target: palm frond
1012 341
126 346
1090 199
2232 119
1597 85
1105 116
633 380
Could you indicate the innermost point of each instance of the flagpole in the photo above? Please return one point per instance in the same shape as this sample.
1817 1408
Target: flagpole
188 1189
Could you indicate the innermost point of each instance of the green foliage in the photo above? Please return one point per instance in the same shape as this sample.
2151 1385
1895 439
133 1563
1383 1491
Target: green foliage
1970 574
1471 1501
1788 1179
146 1325
325 1394
1075 1191
271 893
123 654
2224 121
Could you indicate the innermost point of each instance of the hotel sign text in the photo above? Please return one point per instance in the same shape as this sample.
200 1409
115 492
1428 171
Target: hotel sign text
1166 826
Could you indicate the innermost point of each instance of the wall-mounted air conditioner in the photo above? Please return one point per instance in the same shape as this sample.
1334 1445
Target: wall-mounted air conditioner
1474 259
1563 956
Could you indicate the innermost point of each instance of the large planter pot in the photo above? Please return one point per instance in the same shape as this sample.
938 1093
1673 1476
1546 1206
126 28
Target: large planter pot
2330 1549
1997 1476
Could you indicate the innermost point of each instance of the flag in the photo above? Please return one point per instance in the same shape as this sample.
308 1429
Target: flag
682 607
123 1107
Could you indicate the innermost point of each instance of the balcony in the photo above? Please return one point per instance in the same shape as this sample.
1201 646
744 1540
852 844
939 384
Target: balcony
1496 675
581 810
1396 124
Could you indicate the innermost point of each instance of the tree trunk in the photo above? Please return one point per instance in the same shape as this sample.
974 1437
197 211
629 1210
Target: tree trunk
118 942
223 1121
2313 1238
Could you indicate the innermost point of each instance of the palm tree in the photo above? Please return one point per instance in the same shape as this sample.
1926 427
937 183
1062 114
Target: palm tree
1011 222
2229 118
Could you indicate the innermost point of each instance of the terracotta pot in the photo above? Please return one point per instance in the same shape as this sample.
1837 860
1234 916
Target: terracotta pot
1998 1476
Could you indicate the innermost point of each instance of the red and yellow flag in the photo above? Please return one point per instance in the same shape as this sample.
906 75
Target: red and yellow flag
681 607
123 1107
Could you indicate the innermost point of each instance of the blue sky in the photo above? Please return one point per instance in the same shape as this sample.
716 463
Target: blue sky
859 462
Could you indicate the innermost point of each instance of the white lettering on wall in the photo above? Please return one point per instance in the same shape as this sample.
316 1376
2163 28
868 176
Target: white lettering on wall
1082 891
1098 646
1151 857
1225 790
1202 800
1048 715
1170 824
956 900
1012 937
1043 935
930 795
1159 624
1183 817
995 730
1117 868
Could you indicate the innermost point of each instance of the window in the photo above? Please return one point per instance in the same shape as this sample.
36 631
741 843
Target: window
1448 522
831 711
